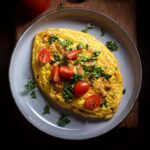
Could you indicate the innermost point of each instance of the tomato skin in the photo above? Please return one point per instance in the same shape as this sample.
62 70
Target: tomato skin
35 7
92 102
66 72
80 88
44 56
73 54
55 74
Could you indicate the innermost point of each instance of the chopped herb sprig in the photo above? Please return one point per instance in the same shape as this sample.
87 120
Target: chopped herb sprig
88 27
63 121
112 46
46 109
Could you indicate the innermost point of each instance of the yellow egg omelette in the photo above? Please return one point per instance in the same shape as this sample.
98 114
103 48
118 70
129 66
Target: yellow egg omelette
78 72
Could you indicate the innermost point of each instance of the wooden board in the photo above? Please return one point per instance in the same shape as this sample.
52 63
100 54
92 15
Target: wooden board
122 11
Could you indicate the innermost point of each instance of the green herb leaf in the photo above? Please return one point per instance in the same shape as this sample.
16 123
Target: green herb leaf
61 6
77 77
80 46
63 120
57 57
31 85
76 62
68 92
88 27
124 91
96 53
102 32
46 110
112 46
33 95
104 104
64 61
52 39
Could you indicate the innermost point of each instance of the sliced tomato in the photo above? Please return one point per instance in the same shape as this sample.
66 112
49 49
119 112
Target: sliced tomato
73 54
92 102
55 74
44 56
80 88
66 72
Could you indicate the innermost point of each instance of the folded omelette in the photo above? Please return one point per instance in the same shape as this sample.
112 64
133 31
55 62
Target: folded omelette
77 72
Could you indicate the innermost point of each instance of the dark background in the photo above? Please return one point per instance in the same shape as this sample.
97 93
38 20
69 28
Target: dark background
15 130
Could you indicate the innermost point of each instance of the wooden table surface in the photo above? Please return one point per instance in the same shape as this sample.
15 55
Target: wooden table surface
122 11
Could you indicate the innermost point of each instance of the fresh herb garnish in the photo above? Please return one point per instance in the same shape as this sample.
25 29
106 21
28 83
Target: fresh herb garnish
46 110
61 6
102 32
65 43
76 62
80 46
57 57
96 53
63 120
88 27
104 104
68 92
112 46
124 91
95 72
33 95
52 39
84 58
77 77
64 61
31 85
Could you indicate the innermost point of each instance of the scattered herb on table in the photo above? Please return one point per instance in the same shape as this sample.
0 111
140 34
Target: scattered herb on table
61 6
102 32
46 110
88 27
63 120
124 91
112 46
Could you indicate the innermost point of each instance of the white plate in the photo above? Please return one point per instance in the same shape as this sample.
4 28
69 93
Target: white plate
20 70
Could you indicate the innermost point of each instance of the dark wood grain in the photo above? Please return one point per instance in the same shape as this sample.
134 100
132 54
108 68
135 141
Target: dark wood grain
123 11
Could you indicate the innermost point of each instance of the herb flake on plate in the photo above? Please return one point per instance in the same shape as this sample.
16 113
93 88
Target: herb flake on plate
88 27
124 91
63 120
112 45
46 109
61 6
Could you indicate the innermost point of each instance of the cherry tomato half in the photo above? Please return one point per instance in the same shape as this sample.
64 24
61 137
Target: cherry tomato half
73 54
66 72
80 88
92 102
44 56
55 74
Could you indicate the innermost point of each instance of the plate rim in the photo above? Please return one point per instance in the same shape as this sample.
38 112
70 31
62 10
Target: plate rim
39 18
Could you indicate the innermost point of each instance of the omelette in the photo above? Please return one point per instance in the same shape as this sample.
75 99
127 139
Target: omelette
78 72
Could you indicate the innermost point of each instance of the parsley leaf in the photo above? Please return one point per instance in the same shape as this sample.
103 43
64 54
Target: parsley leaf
46 110
77 77
124 91
112 46
33 95
104 104
88 27
52 39
68 92
63 120
102 32
61 6
31 85
80 46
